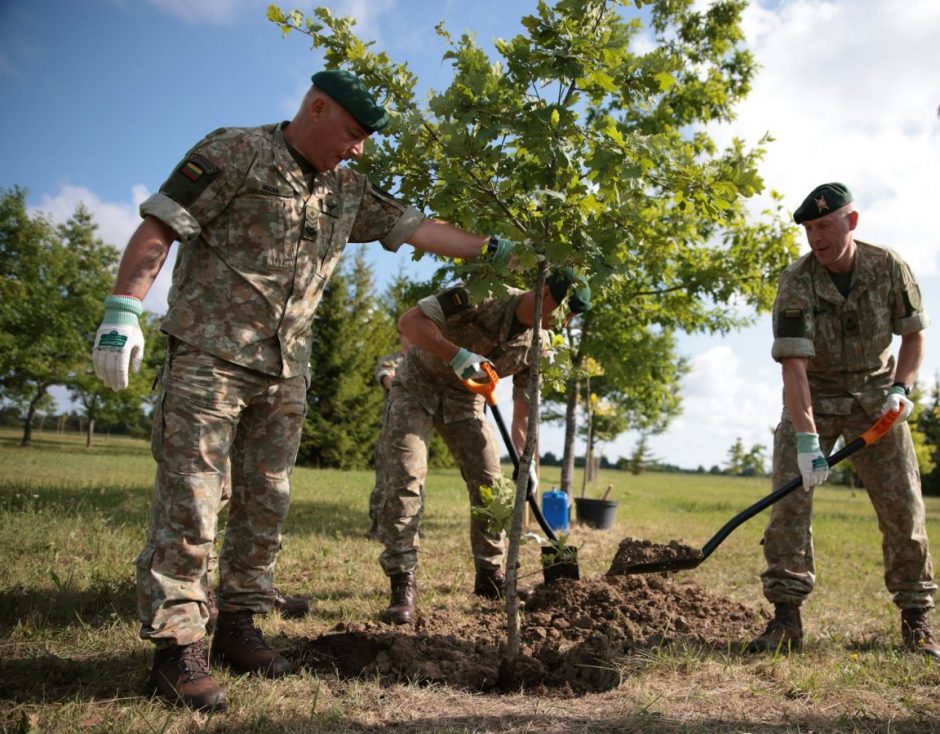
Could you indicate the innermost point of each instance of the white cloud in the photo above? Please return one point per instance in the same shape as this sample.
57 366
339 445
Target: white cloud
844 92
116 222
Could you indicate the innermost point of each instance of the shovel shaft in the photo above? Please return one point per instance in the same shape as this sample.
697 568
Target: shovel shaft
879 429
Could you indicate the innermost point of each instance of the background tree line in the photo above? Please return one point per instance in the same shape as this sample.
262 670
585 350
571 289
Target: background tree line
55 277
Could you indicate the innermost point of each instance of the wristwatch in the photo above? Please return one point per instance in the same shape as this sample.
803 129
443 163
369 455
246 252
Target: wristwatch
906 388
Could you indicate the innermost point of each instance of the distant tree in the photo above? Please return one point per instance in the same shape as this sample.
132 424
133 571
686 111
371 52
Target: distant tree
350 333
715 469
736 458
753 462
641 457
927 423
52 283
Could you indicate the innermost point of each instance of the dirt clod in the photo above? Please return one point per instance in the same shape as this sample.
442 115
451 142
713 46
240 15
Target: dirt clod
575 636
632 552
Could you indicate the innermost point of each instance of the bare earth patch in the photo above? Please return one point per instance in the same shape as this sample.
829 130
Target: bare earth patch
632 552
573 635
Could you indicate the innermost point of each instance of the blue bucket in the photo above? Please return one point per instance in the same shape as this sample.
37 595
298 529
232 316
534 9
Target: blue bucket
555 508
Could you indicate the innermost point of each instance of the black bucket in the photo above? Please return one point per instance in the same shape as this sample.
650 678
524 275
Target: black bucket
560 563
596 513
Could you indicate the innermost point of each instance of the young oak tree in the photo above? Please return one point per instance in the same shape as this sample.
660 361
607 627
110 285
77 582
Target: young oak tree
585 141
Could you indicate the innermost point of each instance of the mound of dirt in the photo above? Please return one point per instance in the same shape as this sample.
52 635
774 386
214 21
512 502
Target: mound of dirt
632 552
574 636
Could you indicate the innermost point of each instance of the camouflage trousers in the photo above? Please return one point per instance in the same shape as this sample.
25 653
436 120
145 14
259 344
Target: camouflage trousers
890 473
406 431
212 414
375 498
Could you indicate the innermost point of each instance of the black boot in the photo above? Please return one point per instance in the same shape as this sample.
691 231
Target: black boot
784 632
291 607
915 631
491 584
402 607
181 675
241 646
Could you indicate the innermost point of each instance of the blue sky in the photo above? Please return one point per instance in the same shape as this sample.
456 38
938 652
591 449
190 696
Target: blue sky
102 97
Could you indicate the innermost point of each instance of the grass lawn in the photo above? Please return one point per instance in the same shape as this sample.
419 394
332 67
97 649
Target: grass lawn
72 521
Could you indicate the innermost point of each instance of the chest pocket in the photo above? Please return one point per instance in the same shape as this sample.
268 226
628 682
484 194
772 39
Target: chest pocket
323 237
260 225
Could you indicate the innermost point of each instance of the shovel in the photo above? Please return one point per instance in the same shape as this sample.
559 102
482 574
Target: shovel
878 429
562 557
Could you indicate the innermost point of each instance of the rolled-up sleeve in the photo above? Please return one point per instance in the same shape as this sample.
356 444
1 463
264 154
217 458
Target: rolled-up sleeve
793 323
381 217
173 215
908 314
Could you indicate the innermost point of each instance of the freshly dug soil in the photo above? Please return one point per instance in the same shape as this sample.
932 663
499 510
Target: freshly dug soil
575 636
633 552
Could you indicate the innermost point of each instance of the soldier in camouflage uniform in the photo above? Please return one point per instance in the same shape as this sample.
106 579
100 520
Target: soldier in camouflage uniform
263 215
451 337
836 310
384 374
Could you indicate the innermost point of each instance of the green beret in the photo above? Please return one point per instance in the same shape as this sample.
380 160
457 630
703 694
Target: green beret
345 88
561 280
821 201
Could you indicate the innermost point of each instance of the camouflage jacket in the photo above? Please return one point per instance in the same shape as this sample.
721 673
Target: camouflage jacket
847 341
489 329
258 244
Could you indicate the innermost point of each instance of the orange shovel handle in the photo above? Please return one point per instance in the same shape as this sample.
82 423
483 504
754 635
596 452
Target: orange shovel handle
486 389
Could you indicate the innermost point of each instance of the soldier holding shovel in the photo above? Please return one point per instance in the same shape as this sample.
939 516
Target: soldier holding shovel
836 310
451 337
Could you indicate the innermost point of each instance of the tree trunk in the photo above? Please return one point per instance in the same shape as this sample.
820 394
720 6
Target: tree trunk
90 433
571 424
508 678
31 414
589 445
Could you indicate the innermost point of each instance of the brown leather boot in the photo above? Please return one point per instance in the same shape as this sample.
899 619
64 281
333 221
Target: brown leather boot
291 607
241 646
401 609
915 631
213 606
181 675
490 583
784 632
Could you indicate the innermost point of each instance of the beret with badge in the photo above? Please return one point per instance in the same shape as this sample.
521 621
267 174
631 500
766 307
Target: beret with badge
822 200
349 91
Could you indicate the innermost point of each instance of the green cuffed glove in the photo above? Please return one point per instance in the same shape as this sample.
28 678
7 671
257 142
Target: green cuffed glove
119 343
499 250
467 365
809 456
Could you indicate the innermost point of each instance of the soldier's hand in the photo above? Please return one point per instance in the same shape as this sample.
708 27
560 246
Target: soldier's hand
499 250
898 400
809 457
467 365
119 343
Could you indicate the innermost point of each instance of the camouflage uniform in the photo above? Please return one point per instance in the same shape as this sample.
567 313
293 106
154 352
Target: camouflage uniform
847 342
260 235
386 367
426 395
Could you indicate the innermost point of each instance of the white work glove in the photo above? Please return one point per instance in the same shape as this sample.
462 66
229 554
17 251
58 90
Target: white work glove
119 343
898 400
812 463
467 365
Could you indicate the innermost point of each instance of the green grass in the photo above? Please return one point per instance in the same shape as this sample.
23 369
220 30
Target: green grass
73 519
